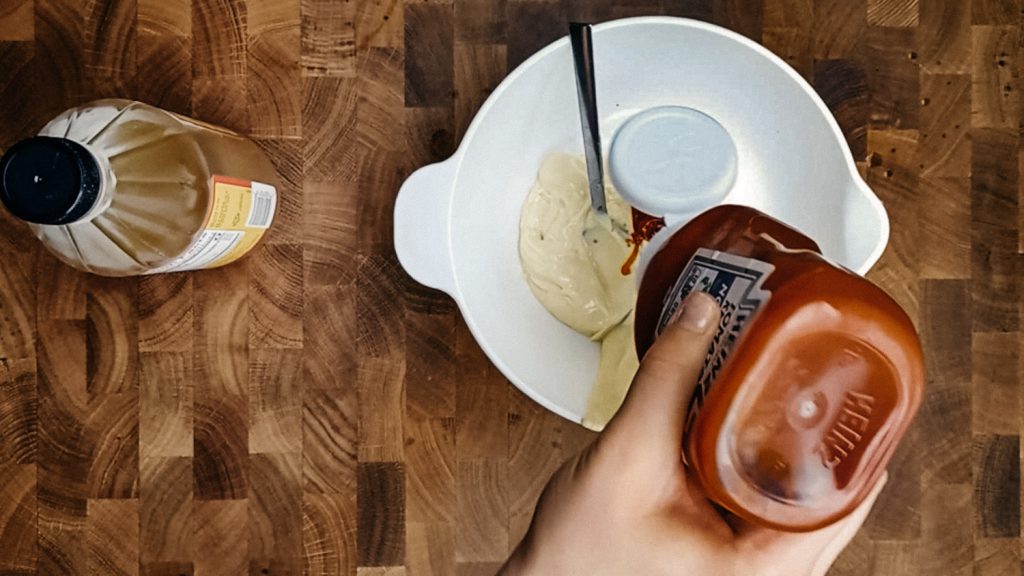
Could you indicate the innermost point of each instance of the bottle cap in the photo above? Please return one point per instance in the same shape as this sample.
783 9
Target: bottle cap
48 180
672 160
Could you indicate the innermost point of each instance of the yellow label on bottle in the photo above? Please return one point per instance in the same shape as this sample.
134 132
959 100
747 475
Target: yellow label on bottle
240 213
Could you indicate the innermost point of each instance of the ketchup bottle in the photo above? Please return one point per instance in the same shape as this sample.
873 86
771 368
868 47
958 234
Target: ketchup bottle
813 377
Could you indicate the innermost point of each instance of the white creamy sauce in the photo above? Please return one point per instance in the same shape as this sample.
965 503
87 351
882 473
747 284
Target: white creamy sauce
572 262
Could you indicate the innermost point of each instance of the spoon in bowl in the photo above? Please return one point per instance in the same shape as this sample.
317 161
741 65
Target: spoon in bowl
599 231
583 60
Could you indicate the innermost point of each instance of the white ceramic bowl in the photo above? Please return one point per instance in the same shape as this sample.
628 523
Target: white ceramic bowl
456 222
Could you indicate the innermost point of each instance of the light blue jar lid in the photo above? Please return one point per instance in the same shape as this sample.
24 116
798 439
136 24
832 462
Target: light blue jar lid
672 160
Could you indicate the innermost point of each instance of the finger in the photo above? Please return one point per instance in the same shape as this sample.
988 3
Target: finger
654 410
848 528
822 546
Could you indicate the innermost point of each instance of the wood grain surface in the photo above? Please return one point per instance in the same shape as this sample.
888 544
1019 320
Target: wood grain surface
312 410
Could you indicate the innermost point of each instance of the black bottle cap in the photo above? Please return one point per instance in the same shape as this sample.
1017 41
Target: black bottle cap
49 180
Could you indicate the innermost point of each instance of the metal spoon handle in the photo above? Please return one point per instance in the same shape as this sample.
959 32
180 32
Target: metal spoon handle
583 59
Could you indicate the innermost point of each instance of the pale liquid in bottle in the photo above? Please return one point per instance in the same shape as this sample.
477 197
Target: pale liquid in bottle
173 193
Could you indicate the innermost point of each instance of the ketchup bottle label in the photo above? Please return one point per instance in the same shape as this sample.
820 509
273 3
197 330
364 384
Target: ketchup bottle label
735 283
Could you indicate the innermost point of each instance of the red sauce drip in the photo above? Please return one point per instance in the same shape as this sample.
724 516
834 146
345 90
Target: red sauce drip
645 227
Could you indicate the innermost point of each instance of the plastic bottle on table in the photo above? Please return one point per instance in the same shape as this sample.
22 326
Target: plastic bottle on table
119 188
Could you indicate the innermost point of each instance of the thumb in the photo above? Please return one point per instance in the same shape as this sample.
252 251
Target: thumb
654 410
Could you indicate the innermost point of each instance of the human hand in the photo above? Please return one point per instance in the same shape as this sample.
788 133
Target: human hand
627 505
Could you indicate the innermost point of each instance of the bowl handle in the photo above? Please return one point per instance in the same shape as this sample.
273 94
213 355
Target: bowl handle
422 218
866 226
